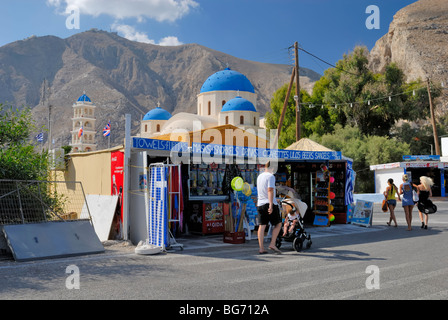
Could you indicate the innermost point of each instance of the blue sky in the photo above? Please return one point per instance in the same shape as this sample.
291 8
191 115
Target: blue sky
258 30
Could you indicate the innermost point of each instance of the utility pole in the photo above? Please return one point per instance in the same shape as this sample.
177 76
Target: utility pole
285 105
297 96
46 103
433 121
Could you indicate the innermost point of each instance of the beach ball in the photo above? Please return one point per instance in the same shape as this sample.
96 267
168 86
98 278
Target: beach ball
237 183
247 190
331 217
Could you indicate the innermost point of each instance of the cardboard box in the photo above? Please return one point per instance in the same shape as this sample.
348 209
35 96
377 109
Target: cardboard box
234 237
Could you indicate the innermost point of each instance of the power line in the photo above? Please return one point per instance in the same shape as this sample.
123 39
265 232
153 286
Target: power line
368 101
326 62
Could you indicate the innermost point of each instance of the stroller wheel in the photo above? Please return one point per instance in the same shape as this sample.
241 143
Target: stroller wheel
297 244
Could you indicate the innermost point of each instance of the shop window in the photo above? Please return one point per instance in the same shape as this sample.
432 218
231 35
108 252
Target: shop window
241 119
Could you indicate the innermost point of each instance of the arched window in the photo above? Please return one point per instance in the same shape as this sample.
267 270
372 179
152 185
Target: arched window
223 102
209 108
158 128
227 119
146 128
255 121
241 119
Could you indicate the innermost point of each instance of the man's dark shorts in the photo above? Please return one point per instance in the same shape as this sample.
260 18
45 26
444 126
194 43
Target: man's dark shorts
264 217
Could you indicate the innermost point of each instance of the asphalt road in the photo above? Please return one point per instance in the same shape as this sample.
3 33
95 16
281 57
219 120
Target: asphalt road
344 262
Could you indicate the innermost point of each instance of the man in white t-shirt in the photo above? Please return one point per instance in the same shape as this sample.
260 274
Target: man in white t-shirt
267 207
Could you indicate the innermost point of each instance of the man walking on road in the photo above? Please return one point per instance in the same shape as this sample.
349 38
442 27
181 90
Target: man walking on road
267 207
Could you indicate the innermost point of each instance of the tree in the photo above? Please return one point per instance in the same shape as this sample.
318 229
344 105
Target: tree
18 157
372 102
364 150
313 119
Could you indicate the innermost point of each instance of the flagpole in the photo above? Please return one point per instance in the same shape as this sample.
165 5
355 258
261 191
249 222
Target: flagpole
110 132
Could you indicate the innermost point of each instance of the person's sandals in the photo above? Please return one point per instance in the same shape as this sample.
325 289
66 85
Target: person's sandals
262 252
275 249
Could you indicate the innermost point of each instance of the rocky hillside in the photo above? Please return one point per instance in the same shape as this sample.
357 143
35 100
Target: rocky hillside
417 41
120 76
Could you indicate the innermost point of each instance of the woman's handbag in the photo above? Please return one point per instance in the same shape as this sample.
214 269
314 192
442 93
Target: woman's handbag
384 206
414 196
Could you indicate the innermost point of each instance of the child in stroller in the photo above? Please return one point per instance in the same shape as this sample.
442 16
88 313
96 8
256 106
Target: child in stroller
292 207
290 220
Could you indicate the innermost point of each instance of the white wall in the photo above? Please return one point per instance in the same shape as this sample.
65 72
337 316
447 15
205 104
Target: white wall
216 98
137 210
382 175
444 145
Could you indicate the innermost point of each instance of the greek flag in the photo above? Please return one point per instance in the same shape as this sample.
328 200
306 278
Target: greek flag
40 137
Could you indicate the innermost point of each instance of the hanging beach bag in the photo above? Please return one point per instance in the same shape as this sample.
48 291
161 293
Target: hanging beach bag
384 206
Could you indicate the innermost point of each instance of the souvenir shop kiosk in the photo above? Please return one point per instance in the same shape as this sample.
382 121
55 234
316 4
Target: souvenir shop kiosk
414 166
198 195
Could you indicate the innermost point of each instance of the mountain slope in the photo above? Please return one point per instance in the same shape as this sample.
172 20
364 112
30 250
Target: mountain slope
120 76
416 41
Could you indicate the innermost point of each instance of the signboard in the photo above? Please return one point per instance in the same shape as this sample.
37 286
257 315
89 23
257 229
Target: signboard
321 220
420 164
154 144
116 165
213 150
252 152
422 158
213 219
362 213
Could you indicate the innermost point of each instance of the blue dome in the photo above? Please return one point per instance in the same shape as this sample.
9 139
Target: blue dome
84 98
238 104
226 80
157 114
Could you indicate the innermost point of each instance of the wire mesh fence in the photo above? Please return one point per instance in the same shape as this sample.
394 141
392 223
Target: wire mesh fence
41 201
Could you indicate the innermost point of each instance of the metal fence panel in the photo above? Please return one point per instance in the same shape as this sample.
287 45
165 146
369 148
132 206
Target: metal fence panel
40 201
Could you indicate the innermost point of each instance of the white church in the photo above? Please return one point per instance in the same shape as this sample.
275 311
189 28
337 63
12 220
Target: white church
226 98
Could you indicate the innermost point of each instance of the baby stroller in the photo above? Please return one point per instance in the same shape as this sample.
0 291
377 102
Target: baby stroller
292 203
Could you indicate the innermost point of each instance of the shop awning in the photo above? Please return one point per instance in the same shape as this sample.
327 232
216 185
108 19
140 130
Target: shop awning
306 144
